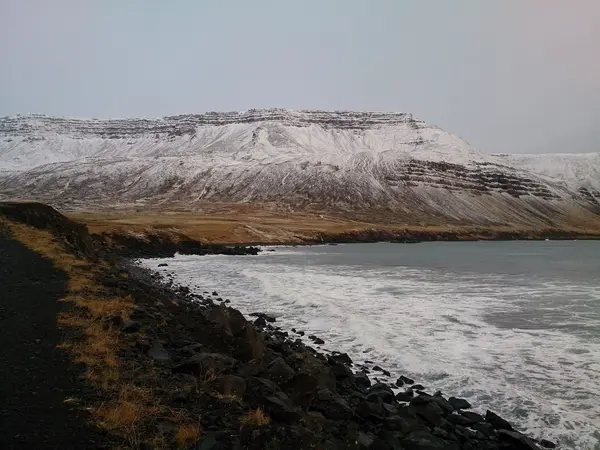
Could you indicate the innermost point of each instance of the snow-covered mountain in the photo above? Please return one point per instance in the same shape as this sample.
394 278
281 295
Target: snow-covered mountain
387 163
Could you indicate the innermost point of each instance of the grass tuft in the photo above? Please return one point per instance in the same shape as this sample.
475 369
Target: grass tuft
255 418
187 435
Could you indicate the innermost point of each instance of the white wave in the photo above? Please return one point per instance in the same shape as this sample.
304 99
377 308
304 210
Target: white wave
501 342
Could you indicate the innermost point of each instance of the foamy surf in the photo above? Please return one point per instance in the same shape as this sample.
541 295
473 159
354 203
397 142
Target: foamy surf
522 345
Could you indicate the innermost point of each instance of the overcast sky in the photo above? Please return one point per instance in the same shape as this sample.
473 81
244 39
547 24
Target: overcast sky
506 75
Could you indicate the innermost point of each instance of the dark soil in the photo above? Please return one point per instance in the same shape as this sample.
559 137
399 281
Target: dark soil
35 377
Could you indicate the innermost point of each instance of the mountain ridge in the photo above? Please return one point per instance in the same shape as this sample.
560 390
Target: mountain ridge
342 160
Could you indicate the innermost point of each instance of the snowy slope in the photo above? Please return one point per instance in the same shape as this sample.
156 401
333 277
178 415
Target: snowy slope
342 160
578 170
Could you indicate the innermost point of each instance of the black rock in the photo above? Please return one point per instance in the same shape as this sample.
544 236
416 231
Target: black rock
131 326
316 340
397 423
342 357
406 380
362 379
405 396
431 412
518 440
380 391
158 353
204 363
230 385
279 371
472 416
443 403
422 399
497 422
267 318
457 419
418 387
459 403
163 265
260 322
424 440
281 406
370 410
386 440
547 444
399 382
340 370
331 405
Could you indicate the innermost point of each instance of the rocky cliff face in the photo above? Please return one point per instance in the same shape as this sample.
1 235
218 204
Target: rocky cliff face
387 163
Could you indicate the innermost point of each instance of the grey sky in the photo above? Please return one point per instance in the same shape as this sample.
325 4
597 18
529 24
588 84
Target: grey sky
506 75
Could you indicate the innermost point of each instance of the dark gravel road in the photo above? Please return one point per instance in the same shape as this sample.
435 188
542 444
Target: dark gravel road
35 377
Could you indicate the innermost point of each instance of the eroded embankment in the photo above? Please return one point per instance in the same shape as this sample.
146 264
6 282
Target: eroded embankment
172 369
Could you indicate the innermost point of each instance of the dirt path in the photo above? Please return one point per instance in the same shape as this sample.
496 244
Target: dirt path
35 377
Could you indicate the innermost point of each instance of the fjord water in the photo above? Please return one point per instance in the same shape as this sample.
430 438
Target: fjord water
511 326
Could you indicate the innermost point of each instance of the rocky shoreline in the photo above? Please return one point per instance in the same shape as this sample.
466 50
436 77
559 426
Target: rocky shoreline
246 383
320 399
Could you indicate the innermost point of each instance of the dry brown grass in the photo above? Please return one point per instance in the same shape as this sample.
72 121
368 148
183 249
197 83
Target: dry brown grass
125 415
255 418
262 225
187 434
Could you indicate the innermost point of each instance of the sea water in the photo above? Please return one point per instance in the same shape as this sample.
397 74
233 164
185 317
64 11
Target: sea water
511 326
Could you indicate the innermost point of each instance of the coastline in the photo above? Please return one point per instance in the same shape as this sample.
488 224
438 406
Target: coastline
207 371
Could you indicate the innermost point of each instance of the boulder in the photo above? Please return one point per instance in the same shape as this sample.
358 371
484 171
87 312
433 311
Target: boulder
131 326
459 403
431 412
308 364
252 368
260 322
340 370
406 380
383 371
362 379
158 353
458 419
281 406
342 358
396 422
497 422
371 410
443 403
386 440
331 405
279 371
472 416
230 385
547 444
405 396
381 391
203 363
424 440
267 317
517 440
267 394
